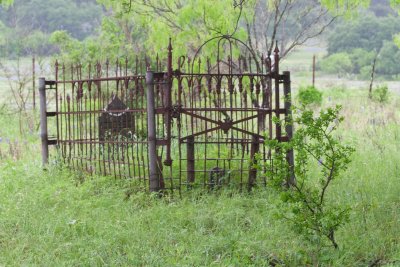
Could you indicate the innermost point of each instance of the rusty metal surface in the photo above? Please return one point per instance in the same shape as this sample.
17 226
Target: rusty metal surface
210 124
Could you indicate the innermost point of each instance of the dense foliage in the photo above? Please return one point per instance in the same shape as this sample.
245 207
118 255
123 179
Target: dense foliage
367 32
354 44
26 24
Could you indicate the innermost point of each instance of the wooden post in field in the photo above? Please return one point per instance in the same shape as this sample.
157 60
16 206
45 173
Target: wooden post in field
33 83
154 171
372 76
289 125
313 72
43 121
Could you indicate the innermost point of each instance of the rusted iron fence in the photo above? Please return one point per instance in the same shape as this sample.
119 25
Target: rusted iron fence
172 129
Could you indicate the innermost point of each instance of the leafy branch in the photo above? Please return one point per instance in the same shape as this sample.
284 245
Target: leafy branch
316 147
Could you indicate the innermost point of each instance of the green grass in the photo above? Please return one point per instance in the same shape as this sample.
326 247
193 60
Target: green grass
52 218
56 217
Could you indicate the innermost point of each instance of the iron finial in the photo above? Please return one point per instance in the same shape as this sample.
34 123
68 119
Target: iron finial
276 47
170 44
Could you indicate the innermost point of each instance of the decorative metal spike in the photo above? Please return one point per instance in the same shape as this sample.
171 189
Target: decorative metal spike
170 45
276 47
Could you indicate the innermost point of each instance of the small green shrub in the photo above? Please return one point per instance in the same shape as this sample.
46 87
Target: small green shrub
309 95
381 94
305 202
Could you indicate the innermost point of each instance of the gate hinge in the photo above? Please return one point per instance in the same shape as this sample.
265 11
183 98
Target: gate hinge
52 142
51 114
50 84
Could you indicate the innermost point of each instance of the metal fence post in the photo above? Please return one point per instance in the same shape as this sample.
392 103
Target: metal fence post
151 131
190 160
43 121
289 125
255 148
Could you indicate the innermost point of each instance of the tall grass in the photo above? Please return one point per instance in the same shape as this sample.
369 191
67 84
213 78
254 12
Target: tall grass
56 217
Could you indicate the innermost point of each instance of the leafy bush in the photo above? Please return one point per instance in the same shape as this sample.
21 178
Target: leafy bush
361 58
310 95
388 60
381 94
305 203
359 61
339 64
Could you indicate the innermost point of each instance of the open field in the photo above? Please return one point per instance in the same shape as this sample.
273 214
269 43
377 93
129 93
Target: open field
299 63
60 218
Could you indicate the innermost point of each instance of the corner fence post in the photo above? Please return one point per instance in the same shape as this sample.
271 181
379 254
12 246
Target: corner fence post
43 121
289 126
154 182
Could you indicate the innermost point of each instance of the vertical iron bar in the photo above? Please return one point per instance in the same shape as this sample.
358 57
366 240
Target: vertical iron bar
277 97
289 125
190 160
43 121
168 106
57 105
151 131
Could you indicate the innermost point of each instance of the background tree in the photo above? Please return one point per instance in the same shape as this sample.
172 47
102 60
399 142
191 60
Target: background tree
361 40
256 23
27 24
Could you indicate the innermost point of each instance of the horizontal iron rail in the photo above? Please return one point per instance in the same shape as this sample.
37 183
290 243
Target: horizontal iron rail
142 76
111 159
220 159
100 142
104 79
225 142
163 110
102 111
267 110
212 171
220 128
266 75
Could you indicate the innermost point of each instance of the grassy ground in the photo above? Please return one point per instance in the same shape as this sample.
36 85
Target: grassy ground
52 218
60 218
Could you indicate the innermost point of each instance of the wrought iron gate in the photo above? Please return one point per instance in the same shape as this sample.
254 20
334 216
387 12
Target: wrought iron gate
168 130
